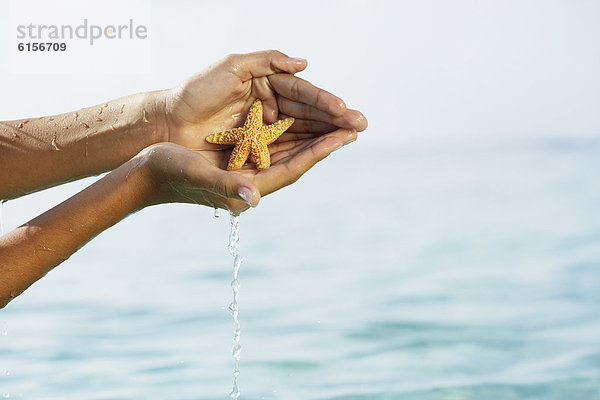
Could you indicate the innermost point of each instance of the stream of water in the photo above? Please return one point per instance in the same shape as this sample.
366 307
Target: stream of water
234 237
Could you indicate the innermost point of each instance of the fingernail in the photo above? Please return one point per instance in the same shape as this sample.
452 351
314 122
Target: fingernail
246 195
298 60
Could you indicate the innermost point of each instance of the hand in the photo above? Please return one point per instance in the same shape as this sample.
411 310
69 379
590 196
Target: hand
182 175
218 99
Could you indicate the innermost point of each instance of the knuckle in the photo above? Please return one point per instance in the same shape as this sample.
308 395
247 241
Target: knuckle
220 187
294 90
232 60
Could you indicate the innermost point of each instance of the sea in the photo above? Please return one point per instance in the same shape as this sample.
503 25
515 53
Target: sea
457 270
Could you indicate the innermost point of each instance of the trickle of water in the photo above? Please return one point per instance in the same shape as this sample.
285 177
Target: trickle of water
2 217
55 146
217 213
234 237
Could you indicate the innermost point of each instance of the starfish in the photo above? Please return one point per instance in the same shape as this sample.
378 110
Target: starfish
251 139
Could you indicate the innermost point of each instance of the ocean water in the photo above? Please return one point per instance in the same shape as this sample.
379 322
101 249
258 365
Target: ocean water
455 271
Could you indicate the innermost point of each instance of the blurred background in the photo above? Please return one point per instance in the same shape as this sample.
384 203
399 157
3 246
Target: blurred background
452 252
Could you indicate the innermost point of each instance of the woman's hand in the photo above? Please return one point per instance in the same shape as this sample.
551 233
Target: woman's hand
218 99
179 174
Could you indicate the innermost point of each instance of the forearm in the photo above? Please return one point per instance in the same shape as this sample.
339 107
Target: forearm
43 152
30 251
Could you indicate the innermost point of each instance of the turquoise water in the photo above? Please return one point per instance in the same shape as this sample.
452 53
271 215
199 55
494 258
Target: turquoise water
451 272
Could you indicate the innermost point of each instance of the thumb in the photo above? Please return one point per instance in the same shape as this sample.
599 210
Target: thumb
235 186
263 63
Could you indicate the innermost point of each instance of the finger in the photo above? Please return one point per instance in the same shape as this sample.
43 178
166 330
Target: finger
351 119
309 125
302 91
224 183
286 173
290 137
280 152
263 63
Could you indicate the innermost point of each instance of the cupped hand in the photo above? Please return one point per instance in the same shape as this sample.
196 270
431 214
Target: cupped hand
219 97
179 174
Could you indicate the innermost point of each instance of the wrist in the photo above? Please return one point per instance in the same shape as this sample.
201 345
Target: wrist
148 169
156 114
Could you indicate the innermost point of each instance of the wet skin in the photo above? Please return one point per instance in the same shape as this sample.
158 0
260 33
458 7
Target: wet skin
147 140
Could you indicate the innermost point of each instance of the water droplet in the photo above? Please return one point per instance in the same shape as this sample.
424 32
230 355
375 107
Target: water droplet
65 127
105 105
7 395
99 119
54 144
217 213
122 107
7 373
100 110
146 116
84 125
237 350
235 393
2 217
19 126
237 261
4 331
112 127
76 115
235 284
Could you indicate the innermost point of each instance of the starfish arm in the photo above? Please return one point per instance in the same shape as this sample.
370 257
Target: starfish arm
270 133
239 155
260 154
231 136
255 116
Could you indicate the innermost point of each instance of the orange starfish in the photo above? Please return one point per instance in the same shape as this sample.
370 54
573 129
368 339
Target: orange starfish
251 139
